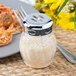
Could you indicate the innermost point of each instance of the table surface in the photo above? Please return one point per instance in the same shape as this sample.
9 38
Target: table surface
14 66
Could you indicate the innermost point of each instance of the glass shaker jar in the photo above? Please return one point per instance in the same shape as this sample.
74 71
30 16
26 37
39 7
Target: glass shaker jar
37 42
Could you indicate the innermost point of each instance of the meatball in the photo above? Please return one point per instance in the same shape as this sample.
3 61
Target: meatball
5 19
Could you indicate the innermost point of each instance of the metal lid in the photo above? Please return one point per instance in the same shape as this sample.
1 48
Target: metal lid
37 19
38 24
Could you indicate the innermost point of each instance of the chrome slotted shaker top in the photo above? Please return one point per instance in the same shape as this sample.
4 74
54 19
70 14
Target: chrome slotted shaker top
38 24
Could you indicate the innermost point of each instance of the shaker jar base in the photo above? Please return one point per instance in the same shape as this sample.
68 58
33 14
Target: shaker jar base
37 51
36 66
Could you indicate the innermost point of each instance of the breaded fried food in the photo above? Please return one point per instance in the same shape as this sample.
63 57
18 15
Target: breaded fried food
5 37
5 19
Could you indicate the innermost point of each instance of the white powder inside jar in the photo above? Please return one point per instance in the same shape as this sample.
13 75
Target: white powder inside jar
37 51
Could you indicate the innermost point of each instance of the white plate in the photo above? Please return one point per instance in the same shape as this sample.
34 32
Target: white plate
13 47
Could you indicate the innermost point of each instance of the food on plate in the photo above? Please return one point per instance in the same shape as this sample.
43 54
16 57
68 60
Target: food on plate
5 19
8 25
14 28
3 8
5 37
